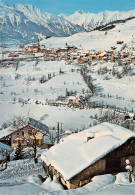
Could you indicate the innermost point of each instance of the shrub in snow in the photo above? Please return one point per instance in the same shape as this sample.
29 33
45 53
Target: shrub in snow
17 76
14 99
43 79
36 90
20 100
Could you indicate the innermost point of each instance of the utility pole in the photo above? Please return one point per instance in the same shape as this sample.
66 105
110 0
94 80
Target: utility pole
2 56
58 133
61 127
59 130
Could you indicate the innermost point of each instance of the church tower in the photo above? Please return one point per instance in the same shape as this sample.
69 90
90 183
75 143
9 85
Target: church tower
38 45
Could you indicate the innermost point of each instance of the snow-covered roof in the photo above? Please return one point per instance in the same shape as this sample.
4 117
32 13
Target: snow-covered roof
5 147
71 97
74 154
131 114
38 125
6 132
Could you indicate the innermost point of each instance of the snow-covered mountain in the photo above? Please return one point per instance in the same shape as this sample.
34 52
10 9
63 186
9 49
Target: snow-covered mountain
90 21
23 23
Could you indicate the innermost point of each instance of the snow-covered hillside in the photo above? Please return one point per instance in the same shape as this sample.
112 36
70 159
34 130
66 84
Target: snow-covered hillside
21 24
90 21
99 40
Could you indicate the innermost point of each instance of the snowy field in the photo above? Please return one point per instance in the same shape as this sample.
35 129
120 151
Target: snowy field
25 82
23 85
119 92
72 119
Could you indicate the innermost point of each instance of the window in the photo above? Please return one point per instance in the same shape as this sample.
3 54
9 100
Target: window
17 133
30 132
14 141
22 133
37 142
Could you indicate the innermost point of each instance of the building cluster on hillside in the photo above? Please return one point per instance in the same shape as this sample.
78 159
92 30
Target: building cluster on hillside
71 52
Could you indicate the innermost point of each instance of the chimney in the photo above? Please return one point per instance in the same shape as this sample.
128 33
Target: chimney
89 136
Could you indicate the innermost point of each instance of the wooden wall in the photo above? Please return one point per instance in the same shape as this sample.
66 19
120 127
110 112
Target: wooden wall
25 134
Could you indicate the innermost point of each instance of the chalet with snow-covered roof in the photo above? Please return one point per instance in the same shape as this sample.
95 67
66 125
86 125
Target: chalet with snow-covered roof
48 51
91 57
63 49
83 60
75 100
101 149
64 57
71 47
33 130
125 116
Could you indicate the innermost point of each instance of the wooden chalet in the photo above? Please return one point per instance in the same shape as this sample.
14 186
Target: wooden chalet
48 51
102 149
33 130
125 116
74 100
63 49
83 60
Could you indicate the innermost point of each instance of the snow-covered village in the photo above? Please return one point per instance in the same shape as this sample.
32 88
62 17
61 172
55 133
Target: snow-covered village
67 97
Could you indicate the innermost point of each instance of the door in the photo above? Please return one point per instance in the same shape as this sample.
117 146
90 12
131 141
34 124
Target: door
113 164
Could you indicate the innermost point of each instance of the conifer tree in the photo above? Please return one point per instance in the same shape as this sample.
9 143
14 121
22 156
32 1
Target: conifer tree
19 153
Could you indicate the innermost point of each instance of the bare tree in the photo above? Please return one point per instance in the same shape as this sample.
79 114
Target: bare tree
18 122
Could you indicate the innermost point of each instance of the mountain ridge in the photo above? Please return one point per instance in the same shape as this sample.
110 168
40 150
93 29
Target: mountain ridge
25 23
90 21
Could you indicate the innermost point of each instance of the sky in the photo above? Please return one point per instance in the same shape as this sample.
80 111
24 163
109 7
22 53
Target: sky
70 6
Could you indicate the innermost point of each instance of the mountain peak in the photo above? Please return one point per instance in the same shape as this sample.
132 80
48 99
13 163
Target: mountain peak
80 12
